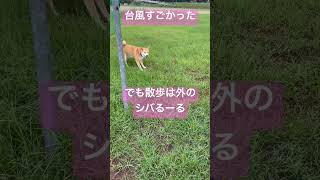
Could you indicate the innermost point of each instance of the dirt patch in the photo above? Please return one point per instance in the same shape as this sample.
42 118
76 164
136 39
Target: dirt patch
164 144
199 76
121 174
205 93
165 148
269 30
263 31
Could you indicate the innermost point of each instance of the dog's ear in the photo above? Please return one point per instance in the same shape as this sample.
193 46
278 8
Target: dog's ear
137 50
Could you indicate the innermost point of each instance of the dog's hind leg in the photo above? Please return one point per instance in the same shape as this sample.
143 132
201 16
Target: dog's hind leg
125 58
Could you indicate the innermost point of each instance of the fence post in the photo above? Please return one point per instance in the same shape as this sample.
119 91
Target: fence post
116 11
41 45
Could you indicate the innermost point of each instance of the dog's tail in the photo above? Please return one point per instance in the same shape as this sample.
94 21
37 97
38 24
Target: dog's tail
124 43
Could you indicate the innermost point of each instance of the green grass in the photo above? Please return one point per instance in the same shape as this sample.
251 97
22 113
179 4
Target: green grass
251 40
160 149
176 5
79 51
275 41
193 5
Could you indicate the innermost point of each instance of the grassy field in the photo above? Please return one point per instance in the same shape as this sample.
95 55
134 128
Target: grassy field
79 52
176 5
278 41
158 149
251 40
193 5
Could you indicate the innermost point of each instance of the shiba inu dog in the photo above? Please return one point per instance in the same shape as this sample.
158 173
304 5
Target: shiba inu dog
138 53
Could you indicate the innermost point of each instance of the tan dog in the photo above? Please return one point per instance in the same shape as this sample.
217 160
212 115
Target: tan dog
138 53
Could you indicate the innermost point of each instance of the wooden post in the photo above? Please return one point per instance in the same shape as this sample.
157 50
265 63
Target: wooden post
41 43
116 11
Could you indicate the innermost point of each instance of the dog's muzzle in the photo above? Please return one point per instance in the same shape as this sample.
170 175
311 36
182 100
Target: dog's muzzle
144 55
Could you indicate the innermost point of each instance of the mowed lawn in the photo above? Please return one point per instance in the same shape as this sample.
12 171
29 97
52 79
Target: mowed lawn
162 149
269 40
79 52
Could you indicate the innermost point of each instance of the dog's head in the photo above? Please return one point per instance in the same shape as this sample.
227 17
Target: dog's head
144 52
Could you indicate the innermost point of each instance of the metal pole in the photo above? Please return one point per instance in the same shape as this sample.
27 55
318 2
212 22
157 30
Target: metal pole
41 43
116 11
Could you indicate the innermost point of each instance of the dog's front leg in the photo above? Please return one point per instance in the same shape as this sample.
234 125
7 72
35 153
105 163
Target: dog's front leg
138 63
141 61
